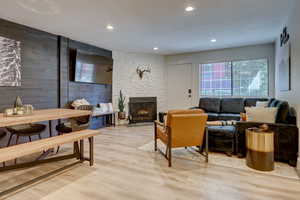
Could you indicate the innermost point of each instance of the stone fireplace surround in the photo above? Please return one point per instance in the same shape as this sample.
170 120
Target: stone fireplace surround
142 109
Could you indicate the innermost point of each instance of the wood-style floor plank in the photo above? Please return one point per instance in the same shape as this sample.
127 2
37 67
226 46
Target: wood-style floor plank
123 171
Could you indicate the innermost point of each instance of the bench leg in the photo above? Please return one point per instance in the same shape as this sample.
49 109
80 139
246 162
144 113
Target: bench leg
76 150
91 141
17 141
81 150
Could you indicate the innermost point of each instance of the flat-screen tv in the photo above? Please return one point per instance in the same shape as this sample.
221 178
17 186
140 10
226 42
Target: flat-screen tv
90 68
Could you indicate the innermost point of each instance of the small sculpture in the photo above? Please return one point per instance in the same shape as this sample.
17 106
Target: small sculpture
18 102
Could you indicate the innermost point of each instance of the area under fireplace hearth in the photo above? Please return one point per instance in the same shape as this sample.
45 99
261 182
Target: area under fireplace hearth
142 109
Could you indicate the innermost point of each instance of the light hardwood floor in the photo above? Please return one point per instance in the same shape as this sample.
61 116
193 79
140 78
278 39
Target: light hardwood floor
122 171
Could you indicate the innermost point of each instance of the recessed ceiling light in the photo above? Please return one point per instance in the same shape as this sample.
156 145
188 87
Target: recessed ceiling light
155 48
109 27
213 40
189 9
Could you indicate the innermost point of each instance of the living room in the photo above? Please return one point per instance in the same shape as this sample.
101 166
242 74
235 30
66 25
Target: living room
177 99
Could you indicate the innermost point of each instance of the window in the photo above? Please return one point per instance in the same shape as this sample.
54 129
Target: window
237 78
216 79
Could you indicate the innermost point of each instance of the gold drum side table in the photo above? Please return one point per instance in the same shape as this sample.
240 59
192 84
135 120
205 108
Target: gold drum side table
260 149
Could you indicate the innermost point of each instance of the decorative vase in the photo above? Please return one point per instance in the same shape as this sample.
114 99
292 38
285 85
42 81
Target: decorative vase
122 115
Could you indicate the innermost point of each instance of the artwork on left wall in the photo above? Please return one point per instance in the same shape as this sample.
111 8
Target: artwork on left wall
10 62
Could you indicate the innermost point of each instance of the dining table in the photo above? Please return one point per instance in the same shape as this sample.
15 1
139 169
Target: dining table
43 115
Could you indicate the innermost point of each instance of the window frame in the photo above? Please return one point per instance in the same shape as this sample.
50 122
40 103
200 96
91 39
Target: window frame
231 64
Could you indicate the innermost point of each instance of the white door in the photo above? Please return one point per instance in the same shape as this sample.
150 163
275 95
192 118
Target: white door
180 86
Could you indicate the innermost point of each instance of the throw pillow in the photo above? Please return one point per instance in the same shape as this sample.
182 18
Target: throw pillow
110 107
104 107
263 104
260 114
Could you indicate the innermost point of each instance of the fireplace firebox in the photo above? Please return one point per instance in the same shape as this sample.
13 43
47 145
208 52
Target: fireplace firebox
142 109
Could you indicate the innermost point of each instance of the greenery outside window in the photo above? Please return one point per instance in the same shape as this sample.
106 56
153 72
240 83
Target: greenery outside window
248 78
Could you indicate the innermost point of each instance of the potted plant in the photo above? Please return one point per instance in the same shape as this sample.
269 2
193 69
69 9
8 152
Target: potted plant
121 104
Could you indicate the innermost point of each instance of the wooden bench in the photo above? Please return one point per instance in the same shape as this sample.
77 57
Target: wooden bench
77 138
111 115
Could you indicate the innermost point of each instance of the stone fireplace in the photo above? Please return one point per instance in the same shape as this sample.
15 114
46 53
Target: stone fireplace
142 109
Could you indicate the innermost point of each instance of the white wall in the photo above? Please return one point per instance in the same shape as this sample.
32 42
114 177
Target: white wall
293 96
126 79
230 54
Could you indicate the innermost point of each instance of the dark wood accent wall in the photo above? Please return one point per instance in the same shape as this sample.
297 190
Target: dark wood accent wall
39 67
70 91
45 71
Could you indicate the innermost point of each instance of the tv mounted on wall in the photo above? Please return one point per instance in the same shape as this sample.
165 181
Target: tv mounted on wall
90 68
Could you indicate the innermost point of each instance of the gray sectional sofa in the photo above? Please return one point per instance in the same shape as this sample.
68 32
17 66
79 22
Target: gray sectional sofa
231 139
226 108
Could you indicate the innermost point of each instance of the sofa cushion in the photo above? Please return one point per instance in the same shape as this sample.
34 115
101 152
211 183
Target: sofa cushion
229 116
232 105
271 101
263 104
210 104
261 114
213 116
283 110
252 101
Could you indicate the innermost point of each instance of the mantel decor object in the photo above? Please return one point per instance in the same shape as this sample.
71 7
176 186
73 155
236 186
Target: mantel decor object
141 70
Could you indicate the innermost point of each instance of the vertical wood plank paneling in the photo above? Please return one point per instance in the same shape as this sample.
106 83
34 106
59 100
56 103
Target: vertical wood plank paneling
94 93
45 72
39 67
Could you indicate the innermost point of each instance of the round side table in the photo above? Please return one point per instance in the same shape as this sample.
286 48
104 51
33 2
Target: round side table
260 149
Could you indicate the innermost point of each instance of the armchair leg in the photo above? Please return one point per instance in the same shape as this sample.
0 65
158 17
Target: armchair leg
170 157
206 144
170 147
155 137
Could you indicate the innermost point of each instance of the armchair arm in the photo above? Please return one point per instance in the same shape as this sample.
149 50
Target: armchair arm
159 123
166 128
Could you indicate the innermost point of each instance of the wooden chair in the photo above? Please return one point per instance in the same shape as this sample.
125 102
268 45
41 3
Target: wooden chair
75 124
183 128
25 130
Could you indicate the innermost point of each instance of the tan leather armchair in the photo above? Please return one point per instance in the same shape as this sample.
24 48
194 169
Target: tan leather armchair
183 128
